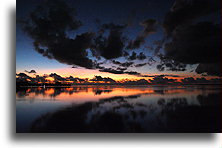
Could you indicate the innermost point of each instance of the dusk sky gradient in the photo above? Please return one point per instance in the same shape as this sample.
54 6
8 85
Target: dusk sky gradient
93 14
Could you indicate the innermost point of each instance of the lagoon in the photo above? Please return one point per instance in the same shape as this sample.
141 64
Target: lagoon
119 109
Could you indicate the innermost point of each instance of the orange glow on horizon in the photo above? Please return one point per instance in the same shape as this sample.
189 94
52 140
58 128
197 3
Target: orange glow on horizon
86 73
51 79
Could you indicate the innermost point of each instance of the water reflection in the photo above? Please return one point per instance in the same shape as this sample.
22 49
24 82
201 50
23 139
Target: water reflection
121 109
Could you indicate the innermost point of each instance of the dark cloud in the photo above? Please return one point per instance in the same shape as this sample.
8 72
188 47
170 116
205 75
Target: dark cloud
141 56
149 27
202 41
112 46
140 65
116 62
110 70
158 45
164 75
132 73
136 43
124 64
112 26
160 67
186 11
22 75
209 69
71 51
170 75
169 64
193 42
31 71
196 44
151 61
48 25
118 71
74 66
125 54
134 56
121 69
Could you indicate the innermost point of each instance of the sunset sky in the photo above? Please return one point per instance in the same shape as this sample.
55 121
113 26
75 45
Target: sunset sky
119 39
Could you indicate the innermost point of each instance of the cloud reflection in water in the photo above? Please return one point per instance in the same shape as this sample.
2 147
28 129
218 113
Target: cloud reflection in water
152 109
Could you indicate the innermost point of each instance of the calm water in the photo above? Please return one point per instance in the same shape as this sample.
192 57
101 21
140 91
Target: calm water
119 109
